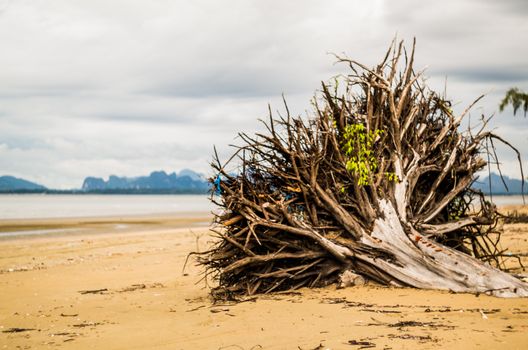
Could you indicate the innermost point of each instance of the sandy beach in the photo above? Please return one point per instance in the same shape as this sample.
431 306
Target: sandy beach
119 283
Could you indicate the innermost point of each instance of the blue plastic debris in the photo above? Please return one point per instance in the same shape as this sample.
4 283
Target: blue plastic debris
217 182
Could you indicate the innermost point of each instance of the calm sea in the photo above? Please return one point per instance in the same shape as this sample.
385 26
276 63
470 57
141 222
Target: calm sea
31 206
508 200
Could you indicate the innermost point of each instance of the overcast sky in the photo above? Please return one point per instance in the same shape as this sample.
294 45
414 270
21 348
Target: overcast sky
127 87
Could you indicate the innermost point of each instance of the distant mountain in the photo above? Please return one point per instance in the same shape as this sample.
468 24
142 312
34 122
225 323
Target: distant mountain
187 181
13 184
497 187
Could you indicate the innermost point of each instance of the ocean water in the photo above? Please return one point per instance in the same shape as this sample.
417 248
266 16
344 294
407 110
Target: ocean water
33 206
508 200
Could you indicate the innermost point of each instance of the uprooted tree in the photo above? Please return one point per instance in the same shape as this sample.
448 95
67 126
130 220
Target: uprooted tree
376 182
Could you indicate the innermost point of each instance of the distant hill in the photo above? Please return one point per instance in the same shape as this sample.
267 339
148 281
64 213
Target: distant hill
13 184
187 181
497 187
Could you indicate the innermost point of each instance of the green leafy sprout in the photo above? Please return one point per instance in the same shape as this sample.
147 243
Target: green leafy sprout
358 148
361 160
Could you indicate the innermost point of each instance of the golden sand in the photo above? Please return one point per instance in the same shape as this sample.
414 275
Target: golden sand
119 284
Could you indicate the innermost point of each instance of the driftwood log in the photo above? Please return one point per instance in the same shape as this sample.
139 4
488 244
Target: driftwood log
376 182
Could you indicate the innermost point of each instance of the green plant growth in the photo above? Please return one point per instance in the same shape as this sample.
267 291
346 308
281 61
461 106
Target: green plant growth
358 142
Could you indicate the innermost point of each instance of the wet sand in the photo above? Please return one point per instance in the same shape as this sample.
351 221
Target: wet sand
120 284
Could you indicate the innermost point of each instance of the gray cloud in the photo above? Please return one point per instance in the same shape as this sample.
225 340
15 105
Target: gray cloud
513 7
244 82
93 88
499 75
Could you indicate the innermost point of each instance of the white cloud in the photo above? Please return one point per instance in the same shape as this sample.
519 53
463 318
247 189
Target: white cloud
127 87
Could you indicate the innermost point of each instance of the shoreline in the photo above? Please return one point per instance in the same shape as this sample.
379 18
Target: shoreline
57 227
